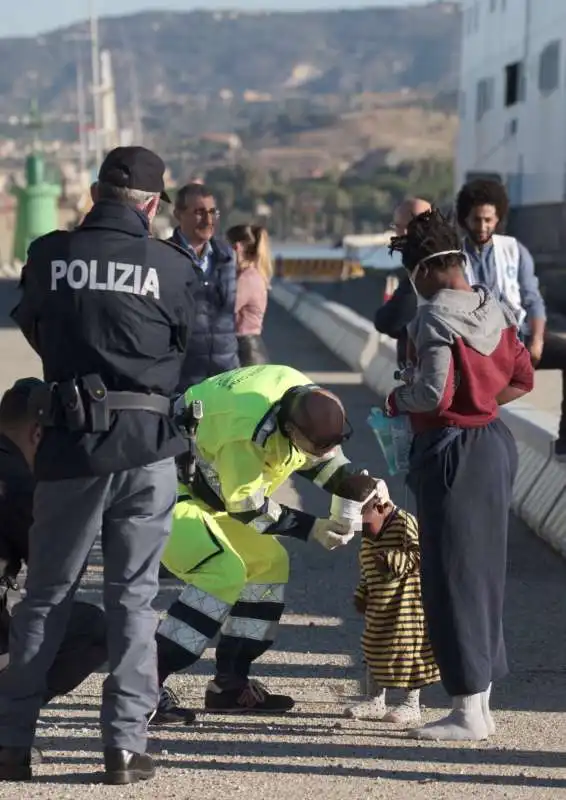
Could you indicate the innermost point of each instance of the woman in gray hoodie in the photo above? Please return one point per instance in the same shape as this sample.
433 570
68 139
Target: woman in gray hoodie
469 361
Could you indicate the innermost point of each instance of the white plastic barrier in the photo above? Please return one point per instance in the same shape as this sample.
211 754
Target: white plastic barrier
539 495
345 332
10 271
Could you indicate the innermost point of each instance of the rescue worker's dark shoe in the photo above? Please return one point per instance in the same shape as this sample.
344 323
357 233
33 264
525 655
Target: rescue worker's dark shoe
15 763
169 711
252 699
122 766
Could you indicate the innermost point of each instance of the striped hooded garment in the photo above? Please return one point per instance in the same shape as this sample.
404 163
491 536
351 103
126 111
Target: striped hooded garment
395 641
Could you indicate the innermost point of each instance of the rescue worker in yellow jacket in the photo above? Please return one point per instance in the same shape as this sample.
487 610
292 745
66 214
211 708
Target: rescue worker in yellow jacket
260 424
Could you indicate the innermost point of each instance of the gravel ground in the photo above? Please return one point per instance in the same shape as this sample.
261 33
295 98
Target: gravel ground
314 751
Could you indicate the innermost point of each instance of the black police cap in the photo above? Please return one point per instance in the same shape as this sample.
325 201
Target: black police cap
134 168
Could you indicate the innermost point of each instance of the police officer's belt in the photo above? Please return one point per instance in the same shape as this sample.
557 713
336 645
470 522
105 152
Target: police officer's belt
134 401
84 404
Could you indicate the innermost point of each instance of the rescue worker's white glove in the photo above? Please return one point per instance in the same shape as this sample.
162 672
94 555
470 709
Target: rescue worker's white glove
332 533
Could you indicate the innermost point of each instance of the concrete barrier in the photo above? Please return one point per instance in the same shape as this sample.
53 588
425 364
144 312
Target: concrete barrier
9 271
539 494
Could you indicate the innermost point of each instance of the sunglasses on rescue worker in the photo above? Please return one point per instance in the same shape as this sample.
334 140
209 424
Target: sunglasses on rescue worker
327 444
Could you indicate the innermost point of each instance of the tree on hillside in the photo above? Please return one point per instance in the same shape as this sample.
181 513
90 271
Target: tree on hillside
329 207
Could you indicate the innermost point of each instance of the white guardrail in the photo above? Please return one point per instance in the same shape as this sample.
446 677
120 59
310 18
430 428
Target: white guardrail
10 271
539 496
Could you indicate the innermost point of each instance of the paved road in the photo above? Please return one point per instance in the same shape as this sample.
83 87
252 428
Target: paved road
315 752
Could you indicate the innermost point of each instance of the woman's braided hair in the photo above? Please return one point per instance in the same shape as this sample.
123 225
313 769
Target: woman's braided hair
428 233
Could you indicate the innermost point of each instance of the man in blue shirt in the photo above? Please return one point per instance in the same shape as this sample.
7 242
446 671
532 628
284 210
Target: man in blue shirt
507 268
213 346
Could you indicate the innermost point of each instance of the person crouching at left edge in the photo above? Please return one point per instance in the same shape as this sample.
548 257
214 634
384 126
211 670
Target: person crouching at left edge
463 463
395 644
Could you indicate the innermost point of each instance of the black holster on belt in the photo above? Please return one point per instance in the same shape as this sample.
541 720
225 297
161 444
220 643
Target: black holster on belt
72 406
84 404
45 407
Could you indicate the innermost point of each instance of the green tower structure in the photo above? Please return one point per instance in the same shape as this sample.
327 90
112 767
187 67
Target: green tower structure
37 201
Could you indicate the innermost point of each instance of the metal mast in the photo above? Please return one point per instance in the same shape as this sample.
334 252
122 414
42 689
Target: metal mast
95 58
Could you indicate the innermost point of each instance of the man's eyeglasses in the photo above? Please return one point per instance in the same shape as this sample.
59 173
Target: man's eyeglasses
207 212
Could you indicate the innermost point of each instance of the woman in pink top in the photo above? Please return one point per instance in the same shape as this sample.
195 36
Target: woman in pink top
253 255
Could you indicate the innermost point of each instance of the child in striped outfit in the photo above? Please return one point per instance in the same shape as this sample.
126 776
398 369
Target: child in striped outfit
395 643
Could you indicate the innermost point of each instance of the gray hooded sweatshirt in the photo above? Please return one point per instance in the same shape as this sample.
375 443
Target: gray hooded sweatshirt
467 353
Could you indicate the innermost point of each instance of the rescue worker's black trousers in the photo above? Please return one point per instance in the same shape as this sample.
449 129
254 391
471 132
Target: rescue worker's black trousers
131 511
82 651
462 479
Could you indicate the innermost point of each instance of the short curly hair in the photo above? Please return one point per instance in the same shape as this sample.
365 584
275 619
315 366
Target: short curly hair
481 192
428 233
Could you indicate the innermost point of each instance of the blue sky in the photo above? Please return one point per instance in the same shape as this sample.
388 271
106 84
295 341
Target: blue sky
31 17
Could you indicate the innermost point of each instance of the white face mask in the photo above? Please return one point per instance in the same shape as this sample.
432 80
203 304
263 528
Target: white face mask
421 301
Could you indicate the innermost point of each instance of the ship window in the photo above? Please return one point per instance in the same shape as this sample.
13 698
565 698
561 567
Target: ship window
484 97
513 84
549 68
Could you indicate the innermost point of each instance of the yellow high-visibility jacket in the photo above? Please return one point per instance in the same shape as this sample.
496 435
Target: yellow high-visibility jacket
243 456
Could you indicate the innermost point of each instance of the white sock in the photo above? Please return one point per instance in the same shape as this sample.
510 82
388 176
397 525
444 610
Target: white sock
489 721
370 687
412 698
464 723
373 707
408 712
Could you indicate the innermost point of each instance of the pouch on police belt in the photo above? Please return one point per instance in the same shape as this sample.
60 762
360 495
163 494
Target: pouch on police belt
96 396
42 404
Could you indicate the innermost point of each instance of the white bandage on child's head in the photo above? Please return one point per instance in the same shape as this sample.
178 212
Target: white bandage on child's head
353 510
381 492
347 510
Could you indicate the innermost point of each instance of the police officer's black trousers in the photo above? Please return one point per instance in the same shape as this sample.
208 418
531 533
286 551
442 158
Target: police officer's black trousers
132 510
462 480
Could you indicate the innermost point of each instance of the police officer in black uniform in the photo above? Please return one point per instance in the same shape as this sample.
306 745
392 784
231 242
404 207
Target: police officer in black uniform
108 309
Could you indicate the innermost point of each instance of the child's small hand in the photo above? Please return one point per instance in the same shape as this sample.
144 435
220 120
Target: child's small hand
360 604
381 563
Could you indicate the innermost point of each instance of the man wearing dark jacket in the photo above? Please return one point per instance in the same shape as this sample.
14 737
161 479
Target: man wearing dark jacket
213 346
83 649
393 316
